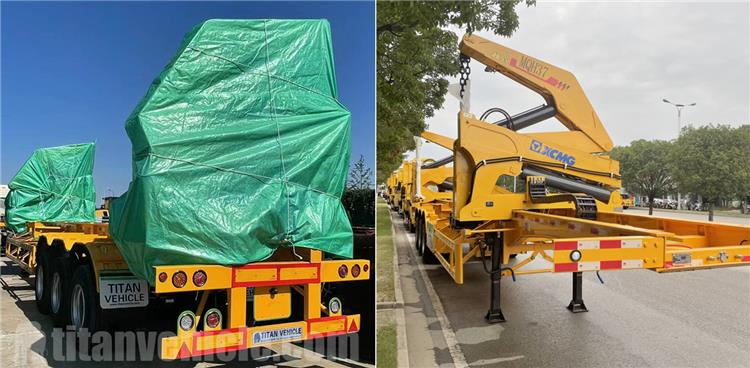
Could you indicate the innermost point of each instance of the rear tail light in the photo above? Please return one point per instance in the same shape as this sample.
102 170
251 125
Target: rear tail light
179 279
355 270
343 271
213 319
199 278
186 321
366 267
163 277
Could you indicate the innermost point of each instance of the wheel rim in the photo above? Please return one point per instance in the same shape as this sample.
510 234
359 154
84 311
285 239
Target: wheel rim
77 307
39 282
56 292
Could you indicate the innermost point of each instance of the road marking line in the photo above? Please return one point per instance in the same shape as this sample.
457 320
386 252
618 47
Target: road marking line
495 361
459 360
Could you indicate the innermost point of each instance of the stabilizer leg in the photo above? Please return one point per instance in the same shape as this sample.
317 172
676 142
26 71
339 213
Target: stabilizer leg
576 304
495 314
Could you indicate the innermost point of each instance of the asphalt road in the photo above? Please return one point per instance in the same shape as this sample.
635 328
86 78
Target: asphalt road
636 318
700 216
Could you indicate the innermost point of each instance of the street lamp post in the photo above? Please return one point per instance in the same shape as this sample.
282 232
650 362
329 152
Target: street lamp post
679 108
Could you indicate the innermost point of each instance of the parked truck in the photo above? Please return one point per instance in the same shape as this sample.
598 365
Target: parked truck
227 214
550 195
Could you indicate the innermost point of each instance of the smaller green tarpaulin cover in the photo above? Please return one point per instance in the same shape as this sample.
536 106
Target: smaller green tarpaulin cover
240 147
54 185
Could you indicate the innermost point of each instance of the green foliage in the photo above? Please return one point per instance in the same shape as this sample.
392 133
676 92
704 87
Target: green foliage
360 206
713 161
416 52
360 176
645 167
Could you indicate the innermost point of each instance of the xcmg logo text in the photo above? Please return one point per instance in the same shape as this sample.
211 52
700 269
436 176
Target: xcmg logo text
552 153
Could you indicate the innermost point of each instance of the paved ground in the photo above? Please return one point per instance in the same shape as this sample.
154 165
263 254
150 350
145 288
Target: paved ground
635 319
25 337
701 216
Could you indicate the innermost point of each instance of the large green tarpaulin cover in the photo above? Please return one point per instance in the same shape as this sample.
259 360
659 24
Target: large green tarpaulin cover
239 147
54 185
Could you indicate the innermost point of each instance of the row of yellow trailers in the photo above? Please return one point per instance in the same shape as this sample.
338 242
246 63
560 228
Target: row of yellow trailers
553 240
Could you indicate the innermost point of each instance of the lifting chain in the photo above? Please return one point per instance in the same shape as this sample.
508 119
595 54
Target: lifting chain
465 70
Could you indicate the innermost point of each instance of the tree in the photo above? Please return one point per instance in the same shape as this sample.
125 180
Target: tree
416 52
360 176
645 168
743 194
712 161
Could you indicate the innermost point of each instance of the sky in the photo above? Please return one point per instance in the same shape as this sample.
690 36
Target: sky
627 57
73 72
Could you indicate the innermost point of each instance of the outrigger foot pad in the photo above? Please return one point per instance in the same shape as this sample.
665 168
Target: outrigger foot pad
494 316
577 307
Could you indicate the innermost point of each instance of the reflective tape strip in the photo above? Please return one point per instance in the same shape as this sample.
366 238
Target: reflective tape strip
610 244
632 263
588 266
611 265
566 267
603 265
566 245
588 244
638 243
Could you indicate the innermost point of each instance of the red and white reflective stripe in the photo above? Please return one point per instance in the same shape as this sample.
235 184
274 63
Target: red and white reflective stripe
599 265
598 244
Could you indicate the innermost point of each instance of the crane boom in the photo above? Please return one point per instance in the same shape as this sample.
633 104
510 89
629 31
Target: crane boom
559 88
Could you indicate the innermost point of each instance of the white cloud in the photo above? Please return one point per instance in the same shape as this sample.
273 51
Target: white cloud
627 57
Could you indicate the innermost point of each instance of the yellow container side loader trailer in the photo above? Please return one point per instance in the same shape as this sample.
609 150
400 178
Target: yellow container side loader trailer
552 195
82 276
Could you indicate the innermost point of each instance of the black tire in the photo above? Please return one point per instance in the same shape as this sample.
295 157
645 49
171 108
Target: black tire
59 292
41 285
422 234
427 256
84 308
418 237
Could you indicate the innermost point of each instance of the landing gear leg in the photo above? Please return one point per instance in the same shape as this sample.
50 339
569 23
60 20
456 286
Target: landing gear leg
576 304
495 314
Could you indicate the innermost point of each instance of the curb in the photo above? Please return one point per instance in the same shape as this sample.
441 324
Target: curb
401 342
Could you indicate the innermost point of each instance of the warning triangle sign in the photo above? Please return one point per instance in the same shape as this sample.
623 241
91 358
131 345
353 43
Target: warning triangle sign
353 327
184 352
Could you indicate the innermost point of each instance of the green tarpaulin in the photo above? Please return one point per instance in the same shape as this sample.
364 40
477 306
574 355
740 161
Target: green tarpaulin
239 147
54 185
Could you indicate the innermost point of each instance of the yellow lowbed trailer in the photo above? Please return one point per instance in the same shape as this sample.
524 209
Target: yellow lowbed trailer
81 277
550 195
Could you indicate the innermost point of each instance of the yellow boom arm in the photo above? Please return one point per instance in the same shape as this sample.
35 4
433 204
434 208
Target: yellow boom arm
559 88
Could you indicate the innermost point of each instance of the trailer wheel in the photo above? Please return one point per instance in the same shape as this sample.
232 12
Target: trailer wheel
418 235
59 292
422 234
85 311
41 285
427 256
